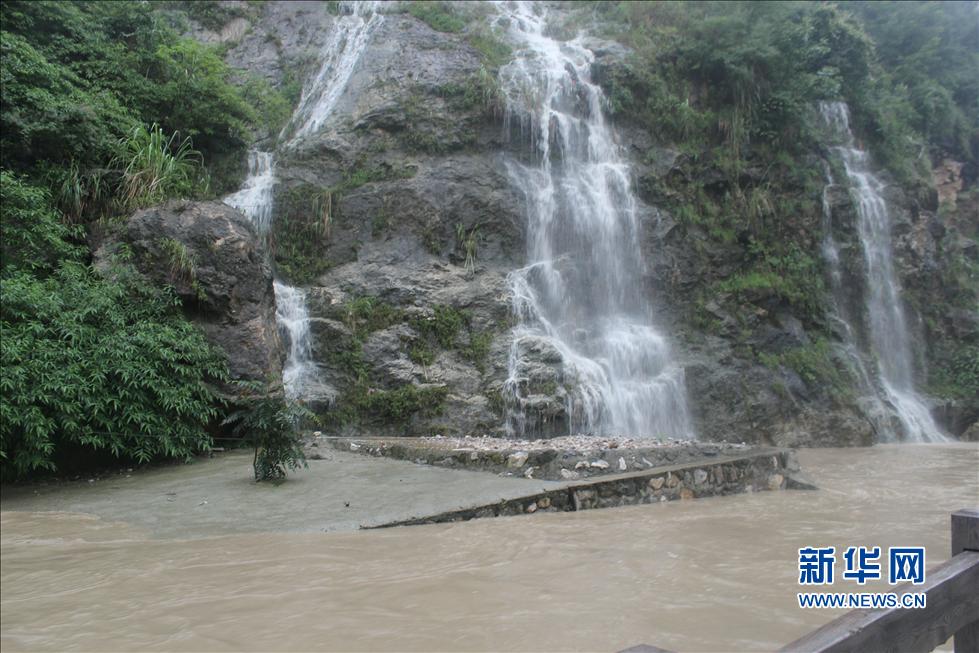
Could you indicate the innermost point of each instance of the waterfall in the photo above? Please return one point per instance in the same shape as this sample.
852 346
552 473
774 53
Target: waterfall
886 328
255 200
580 298
339 57
291 314
256 197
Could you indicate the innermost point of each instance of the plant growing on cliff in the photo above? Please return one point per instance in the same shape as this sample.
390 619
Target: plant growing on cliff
438 15
815 366
305 215
364 315
155 167
479 347
469 243
443 326
182 264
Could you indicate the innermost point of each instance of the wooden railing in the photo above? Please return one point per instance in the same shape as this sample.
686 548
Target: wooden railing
952 609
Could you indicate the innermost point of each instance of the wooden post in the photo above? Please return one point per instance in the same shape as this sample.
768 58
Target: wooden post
965 537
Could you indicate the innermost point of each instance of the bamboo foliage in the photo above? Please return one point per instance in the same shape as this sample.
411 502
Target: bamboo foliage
155 167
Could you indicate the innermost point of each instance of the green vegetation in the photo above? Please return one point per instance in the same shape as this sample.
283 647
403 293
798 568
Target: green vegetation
956 373
366 315
481 92
362 402
90 363
456 17
929 53
401 404
814 365
447 328
478 98
155 167
450 328
301 230
78 77
470 243
305 218
273 107
733 87
440 16
794 277
443 327
181 260
746 75
106 109
269 423
479 347
210 14
494 51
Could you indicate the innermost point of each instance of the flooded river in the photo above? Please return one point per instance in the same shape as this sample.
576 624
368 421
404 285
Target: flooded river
715 574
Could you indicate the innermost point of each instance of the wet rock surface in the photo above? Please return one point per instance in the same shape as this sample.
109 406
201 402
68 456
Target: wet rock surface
211 256
423 224
414 174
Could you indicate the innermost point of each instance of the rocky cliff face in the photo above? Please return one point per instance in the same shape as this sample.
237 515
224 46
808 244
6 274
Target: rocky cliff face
415 229
399 219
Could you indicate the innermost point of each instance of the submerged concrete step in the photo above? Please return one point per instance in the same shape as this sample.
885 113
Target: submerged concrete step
761 469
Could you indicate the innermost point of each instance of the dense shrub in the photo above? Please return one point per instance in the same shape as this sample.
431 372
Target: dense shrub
102 364
105 109
269 423
78 76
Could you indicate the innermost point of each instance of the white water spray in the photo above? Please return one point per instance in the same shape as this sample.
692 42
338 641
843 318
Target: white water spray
886 328
291 313
256 197
581 294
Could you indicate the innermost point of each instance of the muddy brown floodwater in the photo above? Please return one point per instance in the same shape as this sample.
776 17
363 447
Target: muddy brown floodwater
715 574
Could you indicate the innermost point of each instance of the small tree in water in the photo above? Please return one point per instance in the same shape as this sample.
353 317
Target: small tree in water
270 423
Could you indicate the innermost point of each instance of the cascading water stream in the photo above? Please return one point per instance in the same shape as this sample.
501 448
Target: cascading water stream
339 57
886 329
255 199
869 400
580 299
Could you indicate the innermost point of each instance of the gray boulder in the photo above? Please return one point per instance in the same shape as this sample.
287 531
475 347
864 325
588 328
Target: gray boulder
211 256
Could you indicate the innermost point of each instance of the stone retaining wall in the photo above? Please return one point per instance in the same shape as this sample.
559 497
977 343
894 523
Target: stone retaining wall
770 469
556 464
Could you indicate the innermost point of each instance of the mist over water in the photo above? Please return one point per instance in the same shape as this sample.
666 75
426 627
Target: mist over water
887 336
580 299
